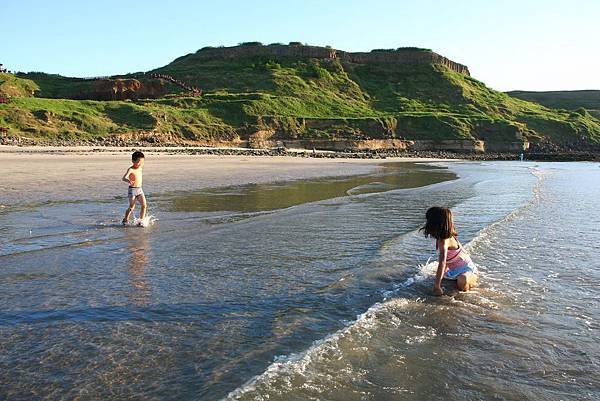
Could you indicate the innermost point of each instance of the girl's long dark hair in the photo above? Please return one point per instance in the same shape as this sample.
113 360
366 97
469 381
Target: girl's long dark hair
440 224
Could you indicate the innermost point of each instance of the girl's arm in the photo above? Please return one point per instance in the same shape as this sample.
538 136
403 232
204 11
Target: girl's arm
442 246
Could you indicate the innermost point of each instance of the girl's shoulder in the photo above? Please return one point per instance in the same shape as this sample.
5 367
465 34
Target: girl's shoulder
453 242
447 243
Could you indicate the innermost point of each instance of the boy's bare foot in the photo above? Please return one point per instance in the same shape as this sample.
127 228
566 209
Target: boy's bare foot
124 222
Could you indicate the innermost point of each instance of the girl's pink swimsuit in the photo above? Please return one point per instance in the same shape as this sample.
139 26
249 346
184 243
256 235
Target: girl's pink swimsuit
458 262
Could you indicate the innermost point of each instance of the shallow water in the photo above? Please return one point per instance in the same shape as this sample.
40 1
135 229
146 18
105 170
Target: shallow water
278 293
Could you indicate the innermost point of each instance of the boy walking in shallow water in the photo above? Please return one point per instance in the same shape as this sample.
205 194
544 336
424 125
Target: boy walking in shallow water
133 177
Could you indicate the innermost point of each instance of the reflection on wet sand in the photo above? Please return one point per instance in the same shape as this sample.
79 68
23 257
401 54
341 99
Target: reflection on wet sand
279 195
139 247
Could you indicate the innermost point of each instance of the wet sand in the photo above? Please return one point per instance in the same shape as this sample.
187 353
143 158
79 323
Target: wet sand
36 175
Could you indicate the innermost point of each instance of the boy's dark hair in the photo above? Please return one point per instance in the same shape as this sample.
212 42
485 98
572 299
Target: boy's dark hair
440 224
136 156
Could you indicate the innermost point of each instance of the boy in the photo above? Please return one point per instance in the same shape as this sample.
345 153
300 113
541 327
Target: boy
133 177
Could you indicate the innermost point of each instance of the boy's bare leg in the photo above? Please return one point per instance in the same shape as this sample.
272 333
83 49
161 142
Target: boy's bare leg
129 210
142 200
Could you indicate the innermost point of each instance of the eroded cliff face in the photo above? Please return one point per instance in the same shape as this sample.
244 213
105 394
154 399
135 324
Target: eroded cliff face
399 56
122 89
300 51
404 57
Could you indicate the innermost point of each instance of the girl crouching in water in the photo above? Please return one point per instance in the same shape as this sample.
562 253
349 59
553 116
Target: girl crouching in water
454 263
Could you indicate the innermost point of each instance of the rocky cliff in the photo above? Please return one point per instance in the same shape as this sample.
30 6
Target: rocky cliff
121 89
387 56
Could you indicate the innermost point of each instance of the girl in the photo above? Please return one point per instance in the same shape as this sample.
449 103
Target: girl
454 262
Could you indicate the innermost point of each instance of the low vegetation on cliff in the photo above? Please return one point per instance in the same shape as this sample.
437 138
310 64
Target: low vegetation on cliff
253 92
18 87
588 100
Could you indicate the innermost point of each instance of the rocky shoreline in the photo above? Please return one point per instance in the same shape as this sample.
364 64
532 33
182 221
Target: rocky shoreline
567 156
56 147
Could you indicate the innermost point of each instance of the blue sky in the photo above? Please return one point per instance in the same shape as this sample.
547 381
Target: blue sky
527 44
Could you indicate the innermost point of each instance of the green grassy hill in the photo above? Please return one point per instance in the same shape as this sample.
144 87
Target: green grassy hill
11 85
246 92
569 100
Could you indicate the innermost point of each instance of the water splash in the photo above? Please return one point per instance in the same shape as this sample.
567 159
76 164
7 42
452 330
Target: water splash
145 222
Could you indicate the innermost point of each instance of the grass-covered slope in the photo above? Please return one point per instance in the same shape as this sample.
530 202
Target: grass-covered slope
49 120
588 100
11 85
415 101
55 86
297 97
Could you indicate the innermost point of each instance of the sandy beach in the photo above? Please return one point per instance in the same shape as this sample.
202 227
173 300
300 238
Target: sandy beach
82 173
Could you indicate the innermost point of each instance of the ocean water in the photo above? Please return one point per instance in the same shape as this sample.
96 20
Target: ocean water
309 290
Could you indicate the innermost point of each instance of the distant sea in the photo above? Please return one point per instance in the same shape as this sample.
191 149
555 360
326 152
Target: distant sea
309 290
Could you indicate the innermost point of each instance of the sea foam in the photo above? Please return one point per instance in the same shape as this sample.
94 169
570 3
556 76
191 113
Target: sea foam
145 222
